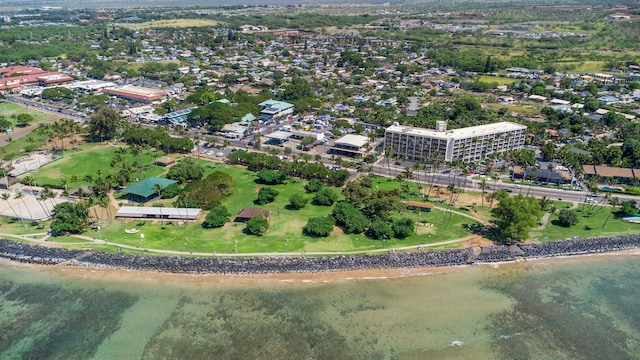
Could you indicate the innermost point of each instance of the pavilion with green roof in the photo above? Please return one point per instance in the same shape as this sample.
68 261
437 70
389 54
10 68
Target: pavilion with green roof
144 190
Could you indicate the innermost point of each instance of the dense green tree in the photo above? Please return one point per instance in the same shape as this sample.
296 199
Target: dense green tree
403 227
297 201
628 207
57 93
381 203
314 185
350 218
325 197
96 73
105 124
24 119
298 89
379 230
319 226
257 225
69 218
171 191
266 195
567 217
515 215
271 177
357 192
186 170
548 150
216 217
5 123
206 193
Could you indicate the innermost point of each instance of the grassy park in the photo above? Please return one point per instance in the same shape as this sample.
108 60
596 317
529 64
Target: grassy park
89 159
285 225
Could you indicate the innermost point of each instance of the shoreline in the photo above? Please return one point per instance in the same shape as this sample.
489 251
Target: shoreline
286 279
399 262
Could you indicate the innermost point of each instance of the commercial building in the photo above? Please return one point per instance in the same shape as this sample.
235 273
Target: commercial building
271 109
136 93
350 145
467 144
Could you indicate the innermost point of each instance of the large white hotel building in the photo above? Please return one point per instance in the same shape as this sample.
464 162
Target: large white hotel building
468 144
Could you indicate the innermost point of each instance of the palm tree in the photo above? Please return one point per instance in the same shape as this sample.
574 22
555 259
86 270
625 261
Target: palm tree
20 196
614 201
6 197
388 153
50 195
483 186
75 178
104 202
158 189
529 177
41 200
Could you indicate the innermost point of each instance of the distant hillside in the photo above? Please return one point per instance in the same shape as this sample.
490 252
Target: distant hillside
433 4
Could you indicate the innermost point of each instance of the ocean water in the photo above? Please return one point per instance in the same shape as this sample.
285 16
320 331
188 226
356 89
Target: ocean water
573 308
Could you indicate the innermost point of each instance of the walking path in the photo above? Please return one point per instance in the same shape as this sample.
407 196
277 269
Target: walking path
545 218
481 221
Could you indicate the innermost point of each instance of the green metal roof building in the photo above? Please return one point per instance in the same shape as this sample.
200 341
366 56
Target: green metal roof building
143 191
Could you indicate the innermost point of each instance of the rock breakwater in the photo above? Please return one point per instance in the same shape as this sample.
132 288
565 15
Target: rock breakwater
223 265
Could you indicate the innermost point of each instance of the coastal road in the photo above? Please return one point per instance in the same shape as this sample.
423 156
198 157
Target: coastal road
466 183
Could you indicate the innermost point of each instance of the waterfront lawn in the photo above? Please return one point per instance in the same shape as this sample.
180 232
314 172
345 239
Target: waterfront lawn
13 226
88 159
589 225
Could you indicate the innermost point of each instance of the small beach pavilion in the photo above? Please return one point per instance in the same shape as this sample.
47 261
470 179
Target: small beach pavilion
145 190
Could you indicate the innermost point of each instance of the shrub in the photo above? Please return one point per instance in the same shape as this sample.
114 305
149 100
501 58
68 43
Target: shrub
319 226
171 191
403 227
257 225
216 218
325 197
567 218
313 186
297 201
380 229
266 195
350 218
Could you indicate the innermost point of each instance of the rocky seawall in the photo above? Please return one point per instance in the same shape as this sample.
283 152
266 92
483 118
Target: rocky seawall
16 251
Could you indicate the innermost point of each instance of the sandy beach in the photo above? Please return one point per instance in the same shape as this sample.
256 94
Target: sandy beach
308 278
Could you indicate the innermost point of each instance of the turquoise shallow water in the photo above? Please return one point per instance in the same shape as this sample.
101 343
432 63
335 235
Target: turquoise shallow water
576 308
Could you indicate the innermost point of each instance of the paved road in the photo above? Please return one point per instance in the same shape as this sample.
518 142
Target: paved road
469 184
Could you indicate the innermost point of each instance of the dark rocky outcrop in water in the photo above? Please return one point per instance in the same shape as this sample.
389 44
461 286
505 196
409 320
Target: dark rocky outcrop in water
223 265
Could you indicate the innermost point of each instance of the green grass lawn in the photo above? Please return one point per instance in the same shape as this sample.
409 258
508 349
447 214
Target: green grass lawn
497 79
589 225
87 160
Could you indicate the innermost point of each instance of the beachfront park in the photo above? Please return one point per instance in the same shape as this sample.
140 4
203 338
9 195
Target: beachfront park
452 218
